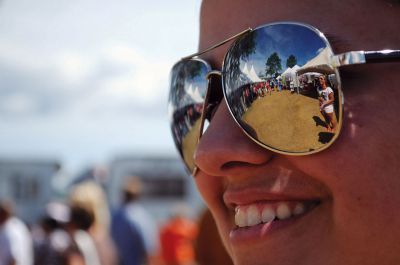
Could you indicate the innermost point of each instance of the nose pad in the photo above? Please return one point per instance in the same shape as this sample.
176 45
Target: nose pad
214 95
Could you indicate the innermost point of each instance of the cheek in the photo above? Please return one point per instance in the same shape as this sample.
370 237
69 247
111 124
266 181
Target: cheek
369 138
367 153
362 167
211 189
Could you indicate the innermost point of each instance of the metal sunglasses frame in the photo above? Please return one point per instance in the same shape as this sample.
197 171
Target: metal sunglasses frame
336 61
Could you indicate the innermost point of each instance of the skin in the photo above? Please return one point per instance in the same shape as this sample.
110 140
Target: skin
357 179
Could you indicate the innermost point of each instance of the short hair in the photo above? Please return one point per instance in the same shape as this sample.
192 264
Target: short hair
91 196
6 208
82 218
132 187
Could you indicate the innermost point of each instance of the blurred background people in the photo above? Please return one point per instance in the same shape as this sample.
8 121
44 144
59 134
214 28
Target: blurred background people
53 244
177 237
133 229
15 238
81 219
90 196
6 256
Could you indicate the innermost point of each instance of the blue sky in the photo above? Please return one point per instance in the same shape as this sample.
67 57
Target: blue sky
287 40
83 81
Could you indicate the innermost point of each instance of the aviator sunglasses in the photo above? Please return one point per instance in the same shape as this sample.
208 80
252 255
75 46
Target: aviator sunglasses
280 82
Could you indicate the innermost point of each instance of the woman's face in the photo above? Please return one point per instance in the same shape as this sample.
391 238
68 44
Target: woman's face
321 80
339 206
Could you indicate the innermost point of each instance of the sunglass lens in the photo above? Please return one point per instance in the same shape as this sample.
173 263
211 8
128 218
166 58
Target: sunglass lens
188 87
282 89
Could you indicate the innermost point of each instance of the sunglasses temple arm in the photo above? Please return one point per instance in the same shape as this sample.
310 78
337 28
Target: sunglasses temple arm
361 57
218 44
384 56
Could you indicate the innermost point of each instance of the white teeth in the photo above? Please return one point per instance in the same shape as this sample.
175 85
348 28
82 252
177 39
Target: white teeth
298 209
253 216
240 217
283 211
267 215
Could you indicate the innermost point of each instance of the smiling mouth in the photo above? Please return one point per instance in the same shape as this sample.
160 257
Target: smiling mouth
268 212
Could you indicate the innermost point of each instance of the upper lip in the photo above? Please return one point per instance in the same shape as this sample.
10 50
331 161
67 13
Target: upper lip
256 195
272 187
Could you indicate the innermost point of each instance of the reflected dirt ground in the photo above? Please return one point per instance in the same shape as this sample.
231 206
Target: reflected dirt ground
291 121
189 144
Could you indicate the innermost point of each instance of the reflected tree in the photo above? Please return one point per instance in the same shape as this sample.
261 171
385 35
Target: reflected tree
177 83
273 65
241 51
194 69
291 61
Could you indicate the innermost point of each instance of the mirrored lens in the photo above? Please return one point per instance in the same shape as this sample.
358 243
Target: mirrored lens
188 87
282 90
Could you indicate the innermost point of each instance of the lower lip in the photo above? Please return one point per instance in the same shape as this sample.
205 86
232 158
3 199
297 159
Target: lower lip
254 233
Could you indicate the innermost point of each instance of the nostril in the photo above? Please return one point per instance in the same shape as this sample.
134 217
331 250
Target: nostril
250 163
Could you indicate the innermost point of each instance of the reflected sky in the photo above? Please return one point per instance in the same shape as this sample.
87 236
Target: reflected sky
285 40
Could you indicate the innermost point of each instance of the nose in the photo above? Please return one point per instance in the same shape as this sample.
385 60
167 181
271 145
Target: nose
224 146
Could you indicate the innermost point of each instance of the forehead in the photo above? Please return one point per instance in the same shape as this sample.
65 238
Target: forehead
348 24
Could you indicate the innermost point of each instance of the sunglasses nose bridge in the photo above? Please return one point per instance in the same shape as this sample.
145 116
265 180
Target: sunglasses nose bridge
214 90
214 87
213 73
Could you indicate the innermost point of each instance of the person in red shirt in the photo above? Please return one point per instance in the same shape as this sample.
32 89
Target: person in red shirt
177 237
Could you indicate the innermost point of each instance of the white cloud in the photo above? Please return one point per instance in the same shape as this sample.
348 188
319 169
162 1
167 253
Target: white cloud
145 78
124 54
73 67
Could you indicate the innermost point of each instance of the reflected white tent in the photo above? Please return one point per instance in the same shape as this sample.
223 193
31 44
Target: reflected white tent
319 63
290 72
254 76
286 72
290 75
245 77
194 94
286 76
251 74
295 68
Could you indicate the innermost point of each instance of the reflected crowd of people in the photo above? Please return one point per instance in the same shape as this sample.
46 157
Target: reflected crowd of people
81 230
248 93
308 84
241 99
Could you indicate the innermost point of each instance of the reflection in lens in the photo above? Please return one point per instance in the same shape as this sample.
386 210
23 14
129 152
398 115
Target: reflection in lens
188 86
272 85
